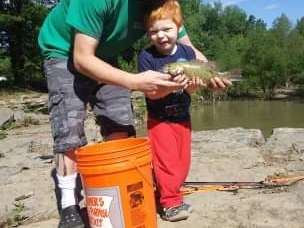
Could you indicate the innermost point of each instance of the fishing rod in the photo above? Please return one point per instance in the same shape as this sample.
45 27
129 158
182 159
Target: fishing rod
268 182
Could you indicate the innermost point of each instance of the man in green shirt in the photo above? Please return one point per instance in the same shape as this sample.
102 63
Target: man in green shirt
80 41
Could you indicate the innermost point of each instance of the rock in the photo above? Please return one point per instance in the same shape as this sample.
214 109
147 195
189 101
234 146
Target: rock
279 96
6 115
285 141
19 115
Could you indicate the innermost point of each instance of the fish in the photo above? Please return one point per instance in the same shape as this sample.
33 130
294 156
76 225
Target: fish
194 68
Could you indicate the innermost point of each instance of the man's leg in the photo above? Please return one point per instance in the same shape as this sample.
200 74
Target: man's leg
112 107
68 94
66 176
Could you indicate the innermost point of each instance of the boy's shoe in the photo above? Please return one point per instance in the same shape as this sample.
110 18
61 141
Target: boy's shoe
70 218
187 207
174 214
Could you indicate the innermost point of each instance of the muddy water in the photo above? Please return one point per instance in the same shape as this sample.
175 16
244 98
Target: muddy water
264 115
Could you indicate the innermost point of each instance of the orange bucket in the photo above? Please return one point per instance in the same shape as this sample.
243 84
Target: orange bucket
117 180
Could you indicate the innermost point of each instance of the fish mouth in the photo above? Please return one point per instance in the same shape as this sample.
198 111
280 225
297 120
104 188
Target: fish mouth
173 70
178 70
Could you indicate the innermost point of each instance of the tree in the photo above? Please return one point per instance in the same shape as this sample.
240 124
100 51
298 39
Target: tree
296 52
234 20
300 26
295 59
281 28
194 20
22 19
264 63
229 51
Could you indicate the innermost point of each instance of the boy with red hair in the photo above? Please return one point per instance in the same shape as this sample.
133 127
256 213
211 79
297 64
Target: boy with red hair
169 125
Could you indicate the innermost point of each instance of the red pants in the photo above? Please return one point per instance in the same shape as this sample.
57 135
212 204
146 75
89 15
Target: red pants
171 146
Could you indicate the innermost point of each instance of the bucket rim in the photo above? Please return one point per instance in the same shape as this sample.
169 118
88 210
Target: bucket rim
110 156
86 149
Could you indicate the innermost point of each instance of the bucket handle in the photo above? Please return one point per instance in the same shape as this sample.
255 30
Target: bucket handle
141 173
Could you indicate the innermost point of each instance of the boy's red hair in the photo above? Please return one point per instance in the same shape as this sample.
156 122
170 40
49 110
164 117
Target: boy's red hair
167 10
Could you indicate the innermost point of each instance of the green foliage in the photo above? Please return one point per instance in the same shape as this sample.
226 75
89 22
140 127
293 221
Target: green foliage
194 20
229 51
295 57
281 29
8 125
5 66
267 57
265 63
128 60
242 89
234 20
129 66
3 135
300 26
16 218
22 21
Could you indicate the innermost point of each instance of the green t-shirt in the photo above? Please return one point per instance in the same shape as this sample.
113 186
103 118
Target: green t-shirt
117 24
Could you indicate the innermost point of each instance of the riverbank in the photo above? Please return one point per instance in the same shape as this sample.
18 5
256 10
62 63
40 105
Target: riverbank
236 154
28 196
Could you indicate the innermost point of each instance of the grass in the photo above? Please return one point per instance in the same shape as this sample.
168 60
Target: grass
16 218
3 134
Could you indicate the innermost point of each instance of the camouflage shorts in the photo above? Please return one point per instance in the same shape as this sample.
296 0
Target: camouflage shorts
69 94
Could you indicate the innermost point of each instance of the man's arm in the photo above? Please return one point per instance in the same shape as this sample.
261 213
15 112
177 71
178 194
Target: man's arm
199 55
88 64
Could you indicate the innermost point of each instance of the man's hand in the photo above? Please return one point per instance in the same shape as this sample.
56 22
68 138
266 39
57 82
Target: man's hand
152 81
217 83
194 84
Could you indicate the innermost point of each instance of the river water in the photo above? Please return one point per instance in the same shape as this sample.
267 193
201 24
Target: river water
258 114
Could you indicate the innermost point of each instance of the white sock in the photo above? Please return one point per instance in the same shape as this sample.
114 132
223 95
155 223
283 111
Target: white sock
67 185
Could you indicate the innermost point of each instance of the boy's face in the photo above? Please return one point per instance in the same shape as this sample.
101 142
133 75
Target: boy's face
163 35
